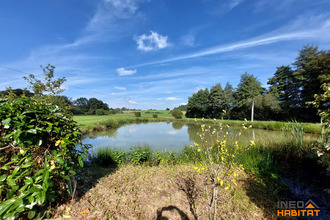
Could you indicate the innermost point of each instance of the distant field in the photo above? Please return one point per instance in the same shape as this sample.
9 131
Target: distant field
89 121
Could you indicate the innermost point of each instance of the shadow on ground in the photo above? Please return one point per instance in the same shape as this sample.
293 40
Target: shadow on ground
299 179
89 176
170 208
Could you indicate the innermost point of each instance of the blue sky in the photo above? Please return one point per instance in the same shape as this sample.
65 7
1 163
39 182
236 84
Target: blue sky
154 53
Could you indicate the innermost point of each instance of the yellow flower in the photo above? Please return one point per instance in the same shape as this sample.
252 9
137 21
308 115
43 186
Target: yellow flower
196 144
199 150
252 143
21 151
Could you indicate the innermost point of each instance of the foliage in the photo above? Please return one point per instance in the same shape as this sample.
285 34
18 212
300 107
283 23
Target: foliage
177 114
295 86
100 111
217 158
248 88
48 85
154 115
40 149
47 89
140 154
137 114
88 106
217 101
322 102
17 92
182 108
198 104
297 131
266 107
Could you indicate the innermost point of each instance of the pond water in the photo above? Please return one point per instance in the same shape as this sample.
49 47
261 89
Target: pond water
170 136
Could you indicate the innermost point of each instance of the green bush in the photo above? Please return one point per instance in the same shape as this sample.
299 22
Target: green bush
137 114
177 114
100 112
155 115
40 149
139 154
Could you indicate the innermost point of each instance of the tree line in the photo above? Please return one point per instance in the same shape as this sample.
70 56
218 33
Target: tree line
290 90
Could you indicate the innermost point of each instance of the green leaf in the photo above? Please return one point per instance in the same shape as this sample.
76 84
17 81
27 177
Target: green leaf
81 162
32 131
31 214
46 176
5 167
28 180
72 172
11 191
26 165
59 160
11 182
16 204
4 206
6 123
3 177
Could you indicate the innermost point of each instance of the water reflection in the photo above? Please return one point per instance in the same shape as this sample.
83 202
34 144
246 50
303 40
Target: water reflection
174 136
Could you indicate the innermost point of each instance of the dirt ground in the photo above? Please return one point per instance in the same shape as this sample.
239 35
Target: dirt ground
162 192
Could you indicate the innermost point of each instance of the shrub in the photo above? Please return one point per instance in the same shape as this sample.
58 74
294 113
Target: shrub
100 112
139 154
137 114
40 149
155 115
177 114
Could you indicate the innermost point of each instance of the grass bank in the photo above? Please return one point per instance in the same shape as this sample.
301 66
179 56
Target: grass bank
94 122
146 184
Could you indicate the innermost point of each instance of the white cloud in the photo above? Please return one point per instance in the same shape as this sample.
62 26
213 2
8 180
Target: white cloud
151 42
188 40
302 28
111 10
172 99
123 72
132 102
120 88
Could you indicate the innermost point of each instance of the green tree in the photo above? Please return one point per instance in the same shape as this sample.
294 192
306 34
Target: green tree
248 88
284 86
47 86
17 92
295 87
266 107
94 103
217 102
176 113
229 99
198 104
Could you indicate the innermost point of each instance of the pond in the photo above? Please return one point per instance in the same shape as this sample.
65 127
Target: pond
171 136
